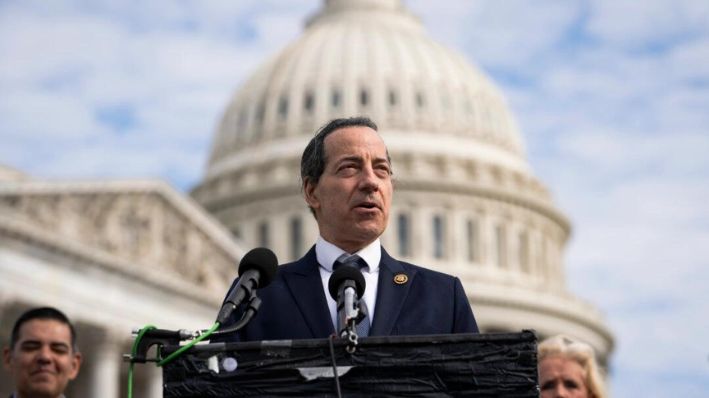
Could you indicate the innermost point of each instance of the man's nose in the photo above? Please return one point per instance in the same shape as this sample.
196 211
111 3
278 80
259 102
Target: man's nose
44 354
369 180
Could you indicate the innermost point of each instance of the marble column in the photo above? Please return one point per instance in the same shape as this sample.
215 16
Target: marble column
105 366
153 386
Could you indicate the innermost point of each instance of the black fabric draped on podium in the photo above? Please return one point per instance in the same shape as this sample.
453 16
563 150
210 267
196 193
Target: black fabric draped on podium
473 365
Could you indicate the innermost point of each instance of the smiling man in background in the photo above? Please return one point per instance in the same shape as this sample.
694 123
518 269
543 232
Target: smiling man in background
42 357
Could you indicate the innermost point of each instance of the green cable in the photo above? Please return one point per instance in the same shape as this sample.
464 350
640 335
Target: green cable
172 356
134 352
189 345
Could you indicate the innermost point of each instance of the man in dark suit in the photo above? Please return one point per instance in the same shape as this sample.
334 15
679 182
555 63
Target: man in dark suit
346 181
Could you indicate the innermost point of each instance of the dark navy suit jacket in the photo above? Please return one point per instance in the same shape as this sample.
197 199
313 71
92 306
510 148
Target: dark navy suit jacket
294 304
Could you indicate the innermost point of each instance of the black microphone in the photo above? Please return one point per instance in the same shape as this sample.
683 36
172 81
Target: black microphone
256 270
346 286
344 274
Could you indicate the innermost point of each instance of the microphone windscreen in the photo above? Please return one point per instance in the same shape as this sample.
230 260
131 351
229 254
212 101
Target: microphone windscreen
260 259
342 274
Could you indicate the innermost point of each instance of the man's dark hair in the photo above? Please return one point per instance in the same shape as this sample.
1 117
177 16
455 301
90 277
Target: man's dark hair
41 313
312 164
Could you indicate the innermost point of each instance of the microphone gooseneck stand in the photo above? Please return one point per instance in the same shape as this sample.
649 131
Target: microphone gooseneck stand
350 334
149 336
256 270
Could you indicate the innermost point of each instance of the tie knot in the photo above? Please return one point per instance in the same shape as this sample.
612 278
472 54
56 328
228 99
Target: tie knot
353 260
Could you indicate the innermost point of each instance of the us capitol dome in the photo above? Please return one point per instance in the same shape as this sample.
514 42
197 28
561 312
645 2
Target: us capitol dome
465 200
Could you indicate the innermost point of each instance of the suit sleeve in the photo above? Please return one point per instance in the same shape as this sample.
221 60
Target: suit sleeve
464 319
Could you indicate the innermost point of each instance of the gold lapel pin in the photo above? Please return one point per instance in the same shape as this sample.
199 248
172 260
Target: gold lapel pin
400 279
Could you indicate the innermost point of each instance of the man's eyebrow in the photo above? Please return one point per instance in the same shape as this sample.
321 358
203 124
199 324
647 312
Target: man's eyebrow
60 345
360 159
349 158
30 341
38 342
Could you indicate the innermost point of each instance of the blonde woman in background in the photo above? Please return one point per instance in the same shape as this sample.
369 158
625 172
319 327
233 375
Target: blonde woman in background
568 369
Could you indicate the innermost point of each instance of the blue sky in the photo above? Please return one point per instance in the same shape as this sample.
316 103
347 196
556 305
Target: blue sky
612 97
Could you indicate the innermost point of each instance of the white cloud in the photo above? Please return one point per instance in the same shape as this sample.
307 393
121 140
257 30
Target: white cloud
620 136
689 59
640 250
30 115
628 23
640 253
172 71
500 34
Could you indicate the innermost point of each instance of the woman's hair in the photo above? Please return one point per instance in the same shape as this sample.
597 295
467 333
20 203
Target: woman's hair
562 345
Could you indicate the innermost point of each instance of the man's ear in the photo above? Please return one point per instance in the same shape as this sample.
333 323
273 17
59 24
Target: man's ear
75 365
310 193
6 357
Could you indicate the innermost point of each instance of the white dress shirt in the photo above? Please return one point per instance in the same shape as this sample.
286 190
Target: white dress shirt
327 254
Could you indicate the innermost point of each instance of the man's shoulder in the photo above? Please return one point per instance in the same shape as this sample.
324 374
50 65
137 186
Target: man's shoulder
429 273
305 264
419 270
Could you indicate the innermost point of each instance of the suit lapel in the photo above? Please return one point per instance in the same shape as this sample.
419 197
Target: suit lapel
303 281
390 295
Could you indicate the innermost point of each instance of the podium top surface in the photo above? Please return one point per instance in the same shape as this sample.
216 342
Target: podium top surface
476 365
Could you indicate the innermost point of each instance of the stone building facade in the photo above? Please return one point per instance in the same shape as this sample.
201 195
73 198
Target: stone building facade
114 256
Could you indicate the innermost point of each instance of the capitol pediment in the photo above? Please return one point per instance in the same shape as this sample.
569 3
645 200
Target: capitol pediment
141 227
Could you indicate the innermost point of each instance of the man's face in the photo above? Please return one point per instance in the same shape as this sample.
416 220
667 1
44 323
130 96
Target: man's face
352 199
42 361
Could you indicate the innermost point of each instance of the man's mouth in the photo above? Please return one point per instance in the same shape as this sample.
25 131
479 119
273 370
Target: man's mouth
367 205
42 372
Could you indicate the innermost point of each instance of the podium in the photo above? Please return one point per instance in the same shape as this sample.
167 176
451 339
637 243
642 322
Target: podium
459 365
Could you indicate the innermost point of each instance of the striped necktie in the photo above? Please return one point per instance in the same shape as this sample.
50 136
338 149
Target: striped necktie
357 262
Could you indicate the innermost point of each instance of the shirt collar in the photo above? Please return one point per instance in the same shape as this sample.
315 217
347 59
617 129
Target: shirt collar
327 253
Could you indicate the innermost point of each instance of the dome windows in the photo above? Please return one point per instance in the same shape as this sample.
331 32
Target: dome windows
420 100
264 234
242 120
283 107
296 241
335 98
309 102
439 238
403 227
260 112
363 97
